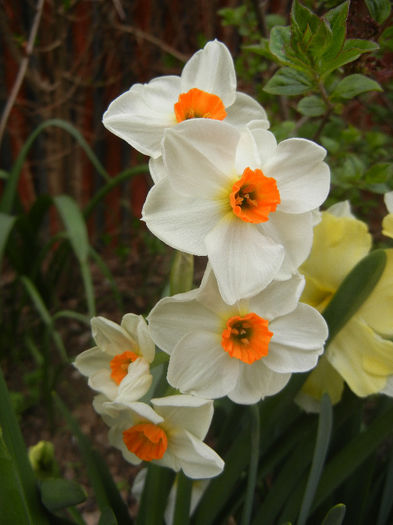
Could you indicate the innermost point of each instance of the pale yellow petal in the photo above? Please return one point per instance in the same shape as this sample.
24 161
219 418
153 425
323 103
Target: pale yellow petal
323 378
387 225
339 244
361 357
377 310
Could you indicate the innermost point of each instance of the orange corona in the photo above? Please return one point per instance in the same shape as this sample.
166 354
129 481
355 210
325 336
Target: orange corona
254 196
119 365
199 104
246 337
146 440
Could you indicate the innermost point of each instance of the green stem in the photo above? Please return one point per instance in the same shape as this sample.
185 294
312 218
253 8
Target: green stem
183 500
253 469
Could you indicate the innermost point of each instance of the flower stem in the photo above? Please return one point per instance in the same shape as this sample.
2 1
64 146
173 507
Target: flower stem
253 468
183 500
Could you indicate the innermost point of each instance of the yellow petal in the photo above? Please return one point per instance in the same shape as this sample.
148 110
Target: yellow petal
387 225
339 243
323 378
377 310
362 357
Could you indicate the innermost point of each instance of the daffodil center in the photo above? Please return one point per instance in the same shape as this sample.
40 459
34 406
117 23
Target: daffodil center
254 196
246 337
199 104
119 365
146 440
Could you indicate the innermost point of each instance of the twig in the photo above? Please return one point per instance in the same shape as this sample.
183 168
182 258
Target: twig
22 69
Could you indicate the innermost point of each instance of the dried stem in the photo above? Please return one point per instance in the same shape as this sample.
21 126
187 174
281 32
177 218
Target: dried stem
22 69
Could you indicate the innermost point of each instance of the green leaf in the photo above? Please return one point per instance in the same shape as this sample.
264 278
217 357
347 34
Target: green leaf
280 47
75 225
105 490
337 19
13 504
107 517
311 35
354 85
352 49
320 451
335 516
352 455
6 224
57 494
353 291
287 81
16 448
312 106
387 501
379 9
157 486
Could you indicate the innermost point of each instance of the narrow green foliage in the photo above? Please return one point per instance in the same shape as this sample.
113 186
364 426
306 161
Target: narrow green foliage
255 433
157 486
58 494
107 517
6 224
183 499
335 516
320 451
353 291
387 501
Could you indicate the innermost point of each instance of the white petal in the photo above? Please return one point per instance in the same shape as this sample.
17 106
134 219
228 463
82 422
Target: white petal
199 157
191 413
197 460
180 221
243 259
211 69
91 361
304 328
244 110
278 298
388 198
140 115
295 234
136 383
101 381
256 381
341 209
266 143
157 169
200 366
115 437
110 337
303 180
137 327
174 317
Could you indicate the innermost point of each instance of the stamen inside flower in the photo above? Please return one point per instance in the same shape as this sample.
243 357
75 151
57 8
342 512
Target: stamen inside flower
246 337
146 440
199 104
254 196
119 365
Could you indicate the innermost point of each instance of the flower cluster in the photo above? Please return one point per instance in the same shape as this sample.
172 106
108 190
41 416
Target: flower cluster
223 188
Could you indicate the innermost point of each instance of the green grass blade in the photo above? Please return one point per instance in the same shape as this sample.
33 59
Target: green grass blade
13 504
11 187
320 451
107 274
154 496
352 455
253 467
16 447
353 291
103 485
387 500
70 314
113 182
335 516
183 500
6 224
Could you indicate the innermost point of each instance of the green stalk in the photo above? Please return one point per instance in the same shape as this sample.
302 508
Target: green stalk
253 468
183 500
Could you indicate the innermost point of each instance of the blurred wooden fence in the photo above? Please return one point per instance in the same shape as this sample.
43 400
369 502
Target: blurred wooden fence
86 53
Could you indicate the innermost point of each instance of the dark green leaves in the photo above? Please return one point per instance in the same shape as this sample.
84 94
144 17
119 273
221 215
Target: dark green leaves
57 494
288 81
379 9
354 85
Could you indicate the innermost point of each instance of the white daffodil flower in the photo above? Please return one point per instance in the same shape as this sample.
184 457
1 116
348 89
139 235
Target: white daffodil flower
205 89
361 354
170 434
241 199
119 365
246 351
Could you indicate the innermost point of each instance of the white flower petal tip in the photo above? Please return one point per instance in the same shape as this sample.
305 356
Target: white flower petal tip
206 89
119 364
245 351
200 204
167 435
